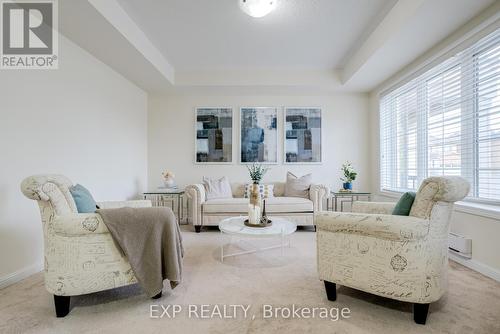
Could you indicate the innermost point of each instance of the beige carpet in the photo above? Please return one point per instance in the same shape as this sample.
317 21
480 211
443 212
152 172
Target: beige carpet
471 306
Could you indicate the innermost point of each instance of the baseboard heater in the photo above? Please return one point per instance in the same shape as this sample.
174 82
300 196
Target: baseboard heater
460 245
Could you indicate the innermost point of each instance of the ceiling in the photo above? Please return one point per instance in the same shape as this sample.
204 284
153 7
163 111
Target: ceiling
217 35
313 46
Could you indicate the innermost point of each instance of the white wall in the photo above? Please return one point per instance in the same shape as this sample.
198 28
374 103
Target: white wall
172 137
84 121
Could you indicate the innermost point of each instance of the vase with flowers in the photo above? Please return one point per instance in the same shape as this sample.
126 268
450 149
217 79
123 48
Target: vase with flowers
168 179
349 176
256 172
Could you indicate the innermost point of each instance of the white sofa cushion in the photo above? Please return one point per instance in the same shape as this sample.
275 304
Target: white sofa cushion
297 186
217 188
273 205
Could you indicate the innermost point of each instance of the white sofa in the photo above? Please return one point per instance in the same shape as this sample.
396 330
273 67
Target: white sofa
203 212
399 257
80 255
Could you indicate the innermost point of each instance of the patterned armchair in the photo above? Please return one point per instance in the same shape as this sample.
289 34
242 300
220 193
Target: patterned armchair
80 255
398 257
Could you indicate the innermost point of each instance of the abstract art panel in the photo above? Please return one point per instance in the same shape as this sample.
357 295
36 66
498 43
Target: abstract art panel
259 135
302 135
214 135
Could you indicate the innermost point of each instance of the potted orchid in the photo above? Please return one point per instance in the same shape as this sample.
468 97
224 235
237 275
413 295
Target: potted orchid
168 179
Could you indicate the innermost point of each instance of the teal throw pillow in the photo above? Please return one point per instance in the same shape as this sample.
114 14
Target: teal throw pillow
404 204
84 201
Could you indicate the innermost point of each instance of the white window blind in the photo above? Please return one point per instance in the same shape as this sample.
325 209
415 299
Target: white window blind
446 122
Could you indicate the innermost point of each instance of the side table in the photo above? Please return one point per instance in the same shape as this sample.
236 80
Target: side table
172 198
343 197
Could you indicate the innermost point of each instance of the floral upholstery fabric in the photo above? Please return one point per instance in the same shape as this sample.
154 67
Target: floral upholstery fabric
80 255
398 257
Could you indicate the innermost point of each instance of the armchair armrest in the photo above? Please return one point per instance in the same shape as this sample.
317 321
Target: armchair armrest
373 207
196 191
79 224
197 196
389 227
121 204
318 193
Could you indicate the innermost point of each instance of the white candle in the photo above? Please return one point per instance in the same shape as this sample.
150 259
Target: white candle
253 214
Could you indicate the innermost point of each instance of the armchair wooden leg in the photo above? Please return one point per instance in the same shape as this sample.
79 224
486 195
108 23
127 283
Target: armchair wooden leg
197 228
331 291
420 312
62 305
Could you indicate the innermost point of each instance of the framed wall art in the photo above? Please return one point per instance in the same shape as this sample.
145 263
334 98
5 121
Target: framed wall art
214 135
259 135
302 129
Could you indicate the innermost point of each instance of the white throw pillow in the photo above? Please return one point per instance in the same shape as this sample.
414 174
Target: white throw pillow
297 186
217 188
266 190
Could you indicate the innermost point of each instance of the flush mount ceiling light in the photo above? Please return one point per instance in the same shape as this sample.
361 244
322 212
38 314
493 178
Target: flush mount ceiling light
257 8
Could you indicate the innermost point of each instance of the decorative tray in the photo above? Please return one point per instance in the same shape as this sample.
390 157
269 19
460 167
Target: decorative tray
266 224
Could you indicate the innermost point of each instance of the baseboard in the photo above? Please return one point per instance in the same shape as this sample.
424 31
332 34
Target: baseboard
19 275
476 266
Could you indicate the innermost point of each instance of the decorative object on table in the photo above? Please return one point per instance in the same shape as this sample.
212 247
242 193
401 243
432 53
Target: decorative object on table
168 179
217 188
264 220
214 135
256 172
302 135
259 135
266 223
349 175
297 186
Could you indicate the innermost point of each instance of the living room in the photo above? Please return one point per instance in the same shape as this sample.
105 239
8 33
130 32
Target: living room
250 166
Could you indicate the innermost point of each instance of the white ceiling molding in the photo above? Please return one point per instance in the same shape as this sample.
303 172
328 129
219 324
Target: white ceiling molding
309 78
114 13
395 18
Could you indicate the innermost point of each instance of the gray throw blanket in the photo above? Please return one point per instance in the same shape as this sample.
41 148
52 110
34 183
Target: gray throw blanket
151 240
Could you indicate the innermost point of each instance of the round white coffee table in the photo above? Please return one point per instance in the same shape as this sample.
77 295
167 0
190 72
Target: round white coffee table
234 226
